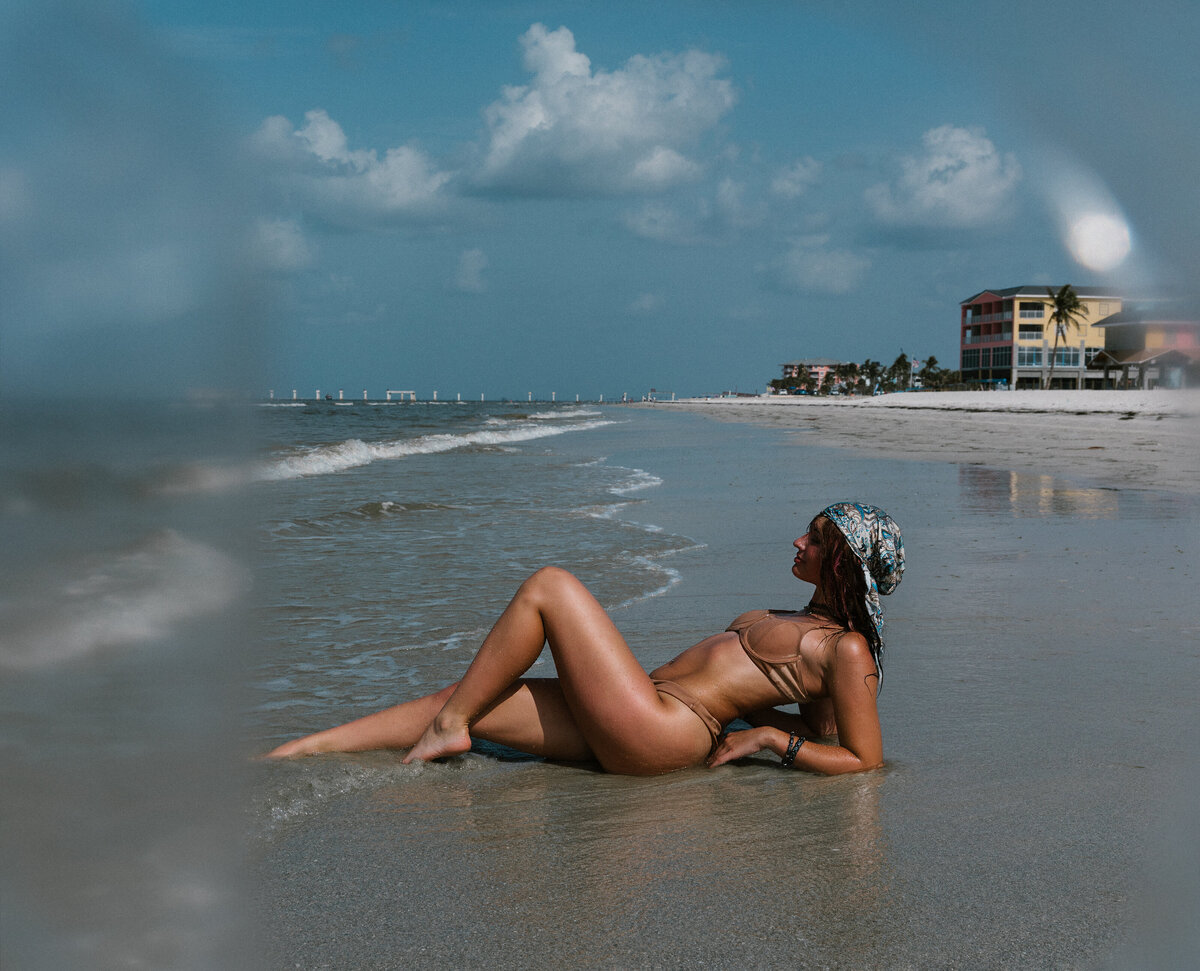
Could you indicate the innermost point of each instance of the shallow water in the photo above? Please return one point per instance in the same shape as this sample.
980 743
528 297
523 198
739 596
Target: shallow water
380 579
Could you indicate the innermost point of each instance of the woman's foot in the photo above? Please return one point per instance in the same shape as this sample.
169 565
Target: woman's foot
440 741
296 747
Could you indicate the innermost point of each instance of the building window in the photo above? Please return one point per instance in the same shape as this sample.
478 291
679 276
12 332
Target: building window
985 357
970 360
1035 310
1001 357
1029 332
1029 357
1090 353
1104 311
1067 357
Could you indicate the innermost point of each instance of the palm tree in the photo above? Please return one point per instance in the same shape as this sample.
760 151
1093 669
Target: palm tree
1065 311
872 371
930 374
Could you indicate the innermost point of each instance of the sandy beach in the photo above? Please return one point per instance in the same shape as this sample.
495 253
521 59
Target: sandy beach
1132 439
1035 810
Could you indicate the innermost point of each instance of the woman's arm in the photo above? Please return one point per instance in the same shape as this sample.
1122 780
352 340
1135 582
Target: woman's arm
853 680
815 719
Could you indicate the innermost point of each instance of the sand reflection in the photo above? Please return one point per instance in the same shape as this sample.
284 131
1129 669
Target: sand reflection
1030 496
624 862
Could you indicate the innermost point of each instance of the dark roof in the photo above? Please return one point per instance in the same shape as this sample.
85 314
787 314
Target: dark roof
1150 355
813 362
1171 313
1039 290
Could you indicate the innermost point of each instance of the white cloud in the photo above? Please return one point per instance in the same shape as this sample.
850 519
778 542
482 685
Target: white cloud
319 171
796 179
646 303
732 211
709 219
662 168
575 131
471 265
808 267
280 245
960 180
660 222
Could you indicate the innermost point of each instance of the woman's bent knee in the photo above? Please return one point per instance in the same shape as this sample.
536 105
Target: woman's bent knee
551 581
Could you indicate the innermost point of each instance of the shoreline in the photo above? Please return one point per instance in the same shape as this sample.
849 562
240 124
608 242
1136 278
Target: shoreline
1126 439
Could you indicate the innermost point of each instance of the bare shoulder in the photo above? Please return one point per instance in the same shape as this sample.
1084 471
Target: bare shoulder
749 617
853 651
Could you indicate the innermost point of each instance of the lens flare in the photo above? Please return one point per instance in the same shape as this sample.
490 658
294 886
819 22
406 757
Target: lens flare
1099 241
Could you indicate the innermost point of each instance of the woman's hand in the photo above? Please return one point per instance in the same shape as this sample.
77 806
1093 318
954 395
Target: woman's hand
738 745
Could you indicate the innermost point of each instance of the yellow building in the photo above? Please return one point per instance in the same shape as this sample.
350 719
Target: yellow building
1151 345
1006 338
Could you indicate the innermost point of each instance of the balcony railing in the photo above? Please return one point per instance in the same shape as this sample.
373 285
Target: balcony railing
987 338
988 318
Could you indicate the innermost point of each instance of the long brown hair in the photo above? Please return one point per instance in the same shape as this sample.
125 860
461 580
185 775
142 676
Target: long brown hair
844 588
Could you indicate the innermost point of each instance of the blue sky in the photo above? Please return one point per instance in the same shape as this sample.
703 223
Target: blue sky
577 198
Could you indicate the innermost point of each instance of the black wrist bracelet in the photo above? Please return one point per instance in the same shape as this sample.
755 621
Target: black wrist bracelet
794 743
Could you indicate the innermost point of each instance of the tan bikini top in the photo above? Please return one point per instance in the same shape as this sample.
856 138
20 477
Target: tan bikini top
778 656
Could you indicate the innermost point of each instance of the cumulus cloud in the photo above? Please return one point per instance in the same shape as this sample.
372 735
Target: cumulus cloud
706 219
471 265
959 180
321 173
793 181
280 245
810 267
576 131
662 168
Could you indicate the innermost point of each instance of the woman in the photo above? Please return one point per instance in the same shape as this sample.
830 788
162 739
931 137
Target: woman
604 707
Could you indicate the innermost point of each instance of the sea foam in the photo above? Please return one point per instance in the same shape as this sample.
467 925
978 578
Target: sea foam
354 453
137 595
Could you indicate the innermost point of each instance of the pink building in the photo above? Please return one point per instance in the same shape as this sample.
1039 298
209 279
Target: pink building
815 367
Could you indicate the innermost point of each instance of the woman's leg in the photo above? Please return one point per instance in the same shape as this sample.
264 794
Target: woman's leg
531 716
625 723
396 727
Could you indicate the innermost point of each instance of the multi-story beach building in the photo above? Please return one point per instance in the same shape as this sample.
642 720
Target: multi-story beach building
815 367
1150 345
1006 338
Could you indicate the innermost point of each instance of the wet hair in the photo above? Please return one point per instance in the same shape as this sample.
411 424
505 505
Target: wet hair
844 588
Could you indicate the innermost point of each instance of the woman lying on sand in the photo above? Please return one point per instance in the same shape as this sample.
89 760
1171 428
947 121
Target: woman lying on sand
604 707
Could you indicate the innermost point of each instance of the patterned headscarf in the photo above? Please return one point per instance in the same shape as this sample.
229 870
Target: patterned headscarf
875 539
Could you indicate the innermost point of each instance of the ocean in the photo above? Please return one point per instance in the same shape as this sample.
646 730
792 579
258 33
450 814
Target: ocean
396 533
188 584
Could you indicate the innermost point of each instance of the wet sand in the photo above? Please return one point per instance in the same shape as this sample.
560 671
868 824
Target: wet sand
1039 731
1136 439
